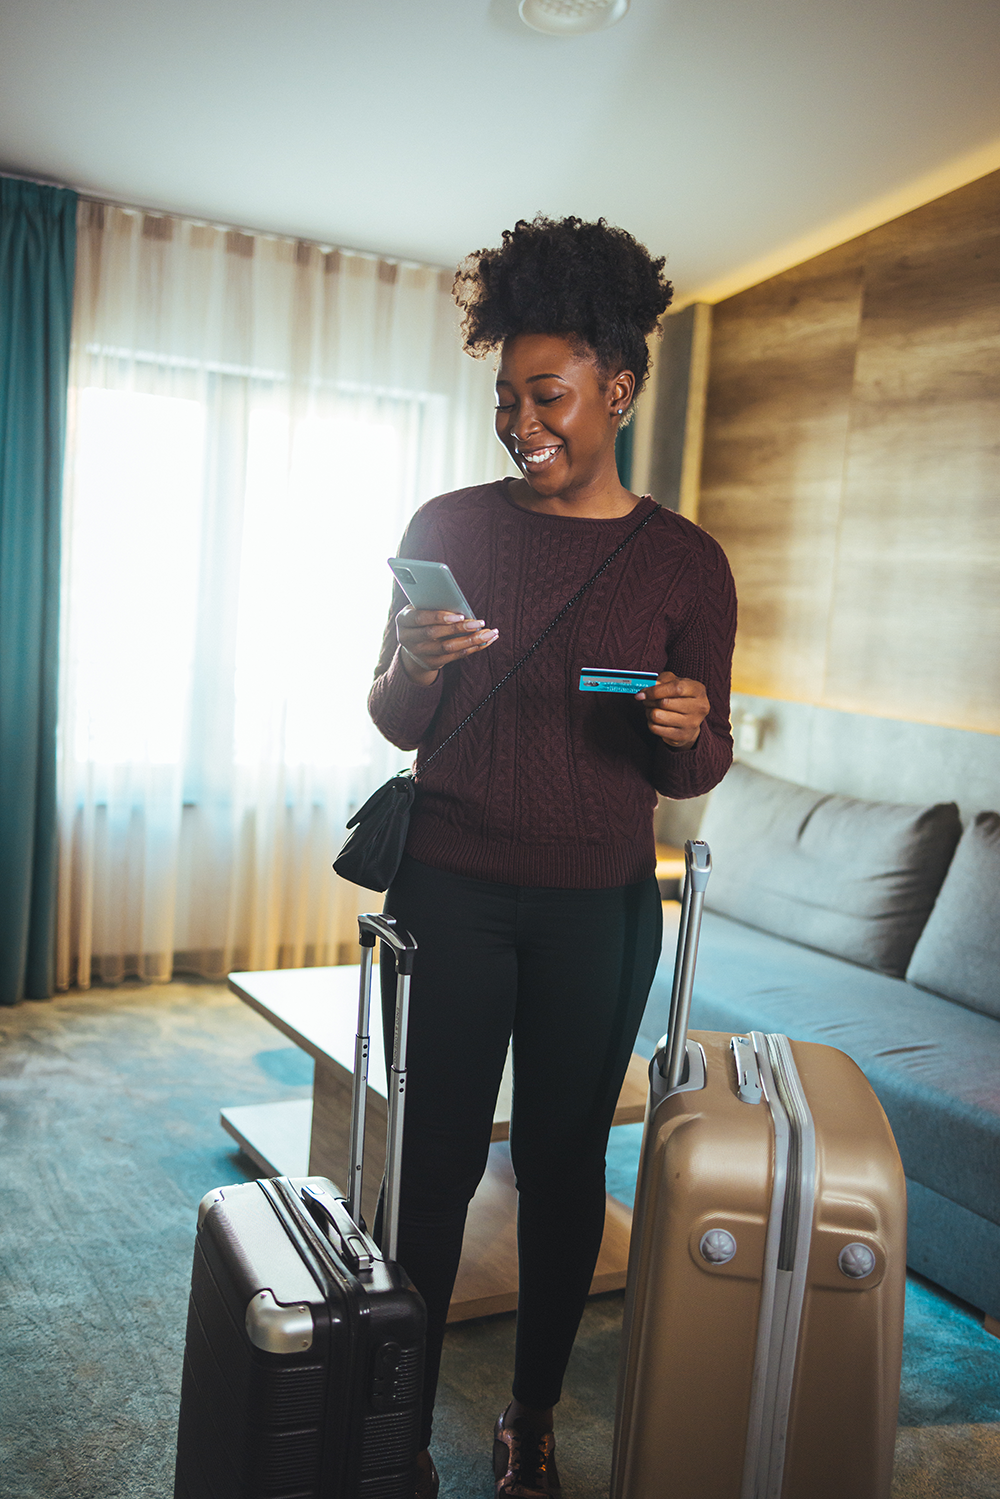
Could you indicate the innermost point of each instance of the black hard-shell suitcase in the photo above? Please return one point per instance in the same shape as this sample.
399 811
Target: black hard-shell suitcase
305 1343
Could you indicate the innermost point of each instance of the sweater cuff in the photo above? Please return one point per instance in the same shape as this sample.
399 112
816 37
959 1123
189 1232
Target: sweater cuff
692 771
402 709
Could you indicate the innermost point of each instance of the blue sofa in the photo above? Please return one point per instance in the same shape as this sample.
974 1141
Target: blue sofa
875 928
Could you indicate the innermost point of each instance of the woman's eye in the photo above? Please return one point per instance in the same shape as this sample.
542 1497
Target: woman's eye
508 407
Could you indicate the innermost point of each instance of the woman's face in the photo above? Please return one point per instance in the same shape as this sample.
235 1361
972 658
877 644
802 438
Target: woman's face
555 415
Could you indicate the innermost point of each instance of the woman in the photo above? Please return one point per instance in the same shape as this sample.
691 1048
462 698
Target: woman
528 876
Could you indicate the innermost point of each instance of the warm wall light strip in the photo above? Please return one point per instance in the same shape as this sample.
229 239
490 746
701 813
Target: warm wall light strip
924 189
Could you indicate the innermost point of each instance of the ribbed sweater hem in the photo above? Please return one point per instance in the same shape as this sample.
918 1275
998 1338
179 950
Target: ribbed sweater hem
561 866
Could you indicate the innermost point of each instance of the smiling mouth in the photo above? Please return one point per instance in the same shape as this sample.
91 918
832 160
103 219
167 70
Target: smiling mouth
539 458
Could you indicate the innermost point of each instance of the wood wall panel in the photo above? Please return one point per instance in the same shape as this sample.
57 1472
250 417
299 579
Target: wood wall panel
915 618
852 469
775 432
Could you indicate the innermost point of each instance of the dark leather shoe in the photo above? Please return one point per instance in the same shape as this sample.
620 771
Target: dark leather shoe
524 1461
428 1483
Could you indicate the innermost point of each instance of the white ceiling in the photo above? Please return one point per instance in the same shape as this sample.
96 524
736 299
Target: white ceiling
715 130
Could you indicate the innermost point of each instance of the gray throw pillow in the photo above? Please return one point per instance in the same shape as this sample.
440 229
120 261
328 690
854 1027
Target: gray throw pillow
958 954
853 878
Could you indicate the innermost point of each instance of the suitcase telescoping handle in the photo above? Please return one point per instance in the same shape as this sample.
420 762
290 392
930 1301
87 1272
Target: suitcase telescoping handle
697 868
403 947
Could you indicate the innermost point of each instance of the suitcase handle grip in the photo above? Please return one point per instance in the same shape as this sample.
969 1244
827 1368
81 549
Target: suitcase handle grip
403 946
697 868
356 1248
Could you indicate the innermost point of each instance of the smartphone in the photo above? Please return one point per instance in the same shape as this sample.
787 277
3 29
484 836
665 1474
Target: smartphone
430 585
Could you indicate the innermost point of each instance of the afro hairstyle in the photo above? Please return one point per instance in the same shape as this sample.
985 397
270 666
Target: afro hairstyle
588 282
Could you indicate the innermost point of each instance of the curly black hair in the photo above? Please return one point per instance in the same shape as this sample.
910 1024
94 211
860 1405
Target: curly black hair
589 282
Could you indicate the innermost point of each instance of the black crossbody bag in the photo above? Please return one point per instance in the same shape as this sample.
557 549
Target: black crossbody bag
373 850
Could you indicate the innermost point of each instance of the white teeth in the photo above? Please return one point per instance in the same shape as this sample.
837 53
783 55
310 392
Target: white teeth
540 457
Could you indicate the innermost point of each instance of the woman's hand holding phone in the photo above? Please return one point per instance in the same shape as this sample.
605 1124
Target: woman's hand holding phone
431 638
676 708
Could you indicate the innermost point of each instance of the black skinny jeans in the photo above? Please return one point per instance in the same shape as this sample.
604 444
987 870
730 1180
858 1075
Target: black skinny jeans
567 973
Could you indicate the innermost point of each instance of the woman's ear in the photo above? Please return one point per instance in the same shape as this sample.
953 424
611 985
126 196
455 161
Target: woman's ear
620 391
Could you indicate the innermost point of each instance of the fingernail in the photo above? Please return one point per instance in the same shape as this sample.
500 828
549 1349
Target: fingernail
640 697
453 619
474 624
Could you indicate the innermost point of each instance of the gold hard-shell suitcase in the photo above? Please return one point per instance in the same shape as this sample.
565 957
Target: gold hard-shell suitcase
764 1306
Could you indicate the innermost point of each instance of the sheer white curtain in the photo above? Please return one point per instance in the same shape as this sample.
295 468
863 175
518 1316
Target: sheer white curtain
252 421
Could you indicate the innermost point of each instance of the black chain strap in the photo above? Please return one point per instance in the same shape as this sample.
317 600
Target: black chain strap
546 632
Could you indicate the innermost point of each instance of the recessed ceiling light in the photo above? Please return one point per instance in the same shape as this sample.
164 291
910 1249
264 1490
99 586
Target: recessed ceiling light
570 17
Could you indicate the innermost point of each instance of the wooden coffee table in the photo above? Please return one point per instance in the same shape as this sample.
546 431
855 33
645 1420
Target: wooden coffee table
317 1009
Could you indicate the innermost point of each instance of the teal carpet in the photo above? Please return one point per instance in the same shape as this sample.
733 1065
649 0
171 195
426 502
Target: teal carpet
109 1137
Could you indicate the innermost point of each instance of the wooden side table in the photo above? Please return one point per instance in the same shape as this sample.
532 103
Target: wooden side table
669 870
317 1009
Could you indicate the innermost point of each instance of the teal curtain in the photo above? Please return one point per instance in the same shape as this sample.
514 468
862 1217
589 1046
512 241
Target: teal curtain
623 453
37 252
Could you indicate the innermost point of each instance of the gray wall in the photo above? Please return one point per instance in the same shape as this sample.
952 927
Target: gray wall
877 759
681 387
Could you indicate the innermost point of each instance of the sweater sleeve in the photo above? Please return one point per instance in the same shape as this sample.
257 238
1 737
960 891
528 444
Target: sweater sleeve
703 652
401 710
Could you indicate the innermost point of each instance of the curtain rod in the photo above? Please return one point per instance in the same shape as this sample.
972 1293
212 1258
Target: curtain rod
37 181
129 205
326 246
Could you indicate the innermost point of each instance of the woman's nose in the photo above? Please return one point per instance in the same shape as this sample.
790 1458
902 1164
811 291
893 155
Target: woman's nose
527 423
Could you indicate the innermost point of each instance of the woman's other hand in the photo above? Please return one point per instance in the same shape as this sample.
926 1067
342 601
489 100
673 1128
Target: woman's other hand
429 639
675 708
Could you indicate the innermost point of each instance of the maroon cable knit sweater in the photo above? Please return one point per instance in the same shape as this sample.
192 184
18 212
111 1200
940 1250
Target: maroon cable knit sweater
548 785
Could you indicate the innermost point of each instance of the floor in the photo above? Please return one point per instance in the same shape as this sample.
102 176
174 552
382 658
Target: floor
109 1137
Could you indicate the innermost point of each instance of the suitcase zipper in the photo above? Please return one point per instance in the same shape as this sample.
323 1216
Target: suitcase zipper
786 1261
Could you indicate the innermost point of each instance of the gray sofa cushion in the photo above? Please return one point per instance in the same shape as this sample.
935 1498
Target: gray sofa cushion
958 953
853 878
934 1065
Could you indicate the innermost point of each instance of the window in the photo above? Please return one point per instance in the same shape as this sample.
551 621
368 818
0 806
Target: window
252 423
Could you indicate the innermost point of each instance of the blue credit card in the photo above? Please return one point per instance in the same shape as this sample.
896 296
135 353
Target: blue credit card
607 679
